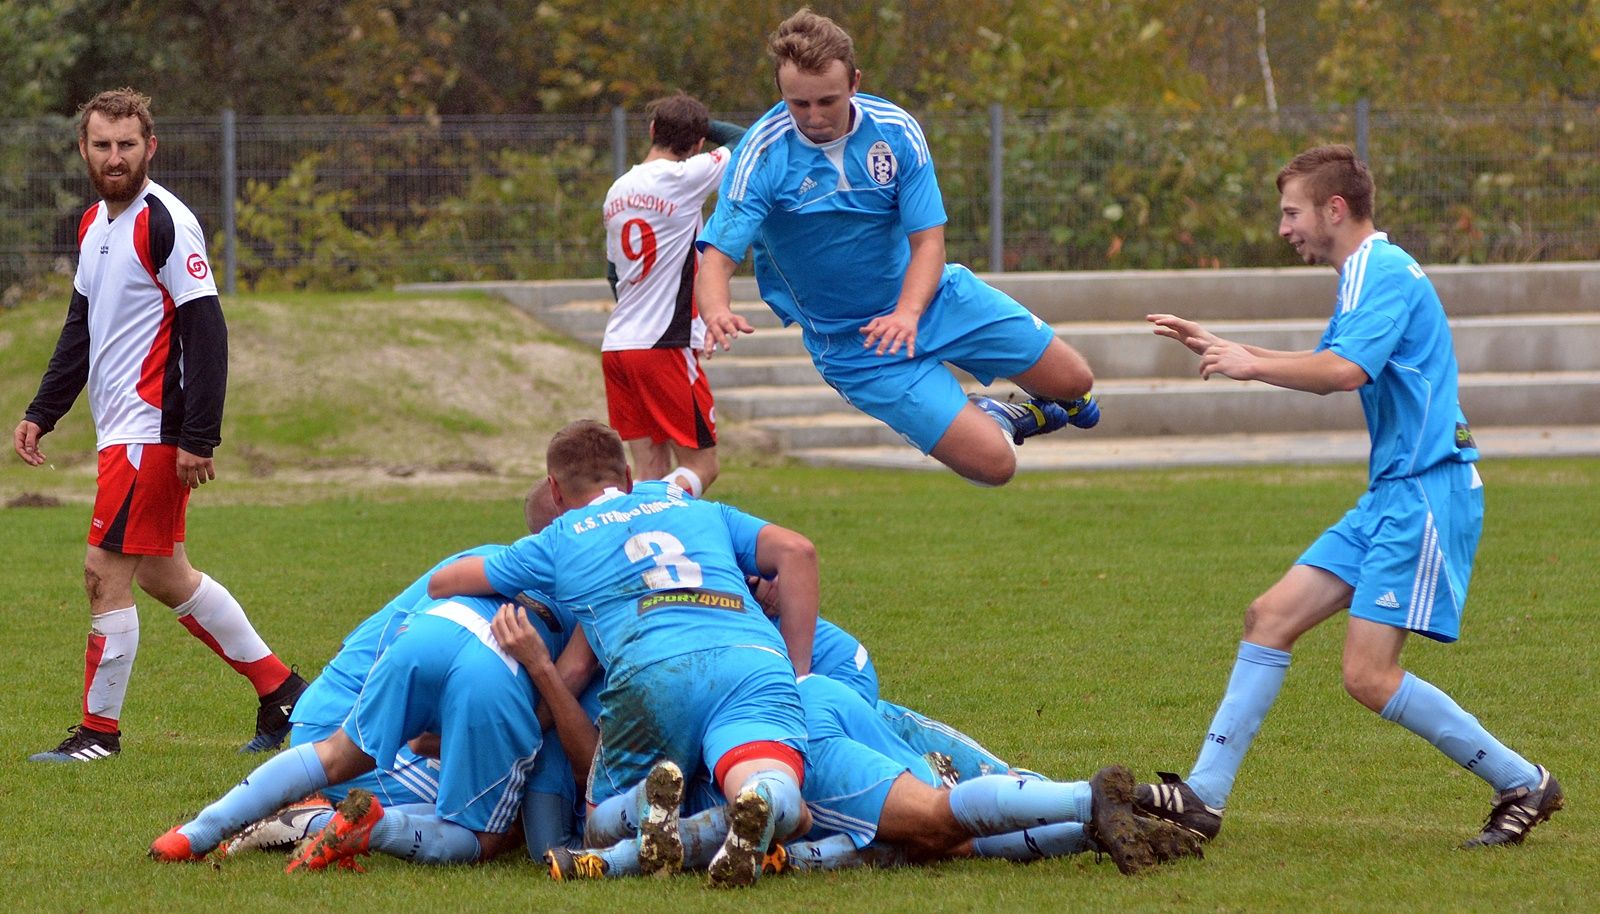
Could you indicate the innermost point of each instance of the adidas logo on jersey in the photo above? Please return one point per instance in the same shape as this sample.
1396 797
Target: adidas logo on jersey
1388 601
807 185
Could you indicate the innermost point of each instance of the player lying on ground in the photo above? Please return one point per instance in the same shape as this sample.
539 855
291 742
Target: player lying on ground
695 672
874 800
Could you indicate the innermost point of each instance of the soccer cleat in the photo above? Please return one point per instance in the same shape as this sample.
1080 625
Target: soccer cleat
775 861
173 847
568 866
944 768
1112 824
82 745
1176 802
280 831
272 718
1026 419
1167 841
660 845
345 836
1083 412
1518 810
738 861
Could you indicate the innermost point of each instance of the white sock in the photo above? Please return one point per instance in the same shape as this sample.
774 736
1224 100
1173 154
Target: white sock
221 617
113 642
686 479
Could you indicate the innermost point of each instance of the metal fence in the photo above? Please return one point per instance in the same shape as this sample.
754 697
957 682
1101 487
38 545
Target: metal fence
331 203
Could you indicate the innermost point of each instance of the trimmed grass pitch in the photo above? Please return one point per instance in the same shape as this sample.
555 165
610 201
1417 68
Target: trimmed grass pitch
1068 621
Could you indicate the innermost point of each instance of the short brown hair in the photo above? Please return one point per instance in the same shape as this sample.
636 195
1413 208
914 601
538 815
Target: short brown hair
811 42
680 121
1331 171
586 455
114 105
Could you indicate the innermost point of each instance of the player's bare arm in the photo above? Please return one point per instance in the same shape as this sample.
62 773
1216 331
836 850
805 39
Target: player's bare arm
780 551
899 327
1322 372
26 441
459 578
714 296
557 701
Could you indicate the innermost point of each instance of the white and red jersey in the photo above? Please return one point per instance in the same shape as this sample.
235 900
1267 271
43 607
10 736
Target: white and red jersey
652 216
144 332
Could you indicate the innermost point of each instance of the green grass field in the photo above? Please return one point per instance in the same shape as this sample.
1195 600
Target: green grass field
1068 621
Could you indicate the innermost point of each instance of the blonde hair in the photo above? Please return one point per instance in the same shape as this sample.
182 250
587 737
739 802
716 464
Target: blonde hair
811 42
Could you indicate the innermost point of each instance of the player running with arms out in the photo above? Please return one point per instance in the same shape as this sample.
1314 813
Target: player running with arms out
657 396
836 192
1401 559
695 673
145 334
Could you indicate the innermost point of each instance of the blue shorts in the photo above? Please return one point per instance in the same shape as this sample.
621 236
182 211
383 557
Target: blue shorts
924 734
853 761
969 324
1407 549
442 675
411 779
693 709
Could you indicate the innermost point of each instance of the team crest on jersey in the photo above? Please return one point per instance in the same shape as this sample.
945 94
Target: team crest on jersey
197 266
881 164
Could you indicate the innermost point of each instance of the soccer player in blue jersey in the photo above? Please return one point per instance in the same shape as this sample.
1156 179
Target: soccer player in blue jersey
1401 559
695 673
443 673
836 192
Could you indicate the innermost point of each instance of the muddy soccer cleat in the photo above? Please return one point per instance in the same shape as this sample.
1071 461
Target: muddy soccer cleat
343 838
570 866
82 745
1518 810
1176 802
272 717
660 845
173 847
1113 826
738 861
1167 841
280 831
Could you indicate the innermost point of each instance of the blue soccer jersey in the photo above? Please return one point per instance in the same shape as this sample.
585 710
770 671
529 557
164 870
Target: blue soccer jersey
329 697
828 222
650 574
1388 320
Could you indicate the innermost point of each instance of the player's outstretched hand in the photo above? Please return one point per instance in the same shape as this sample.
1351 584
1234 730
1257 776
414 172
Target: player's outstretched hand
195 471
1230 360
1197 338
722 329
889 332
517 637
26 441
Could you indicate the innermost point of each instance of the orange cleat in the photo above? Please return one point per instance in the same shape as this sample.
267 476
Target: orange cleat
173 847
345 837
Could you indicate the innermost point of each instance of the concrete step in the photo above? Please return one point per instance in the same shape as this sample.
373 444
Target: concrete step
810 416
585 320
1084 452
1503 343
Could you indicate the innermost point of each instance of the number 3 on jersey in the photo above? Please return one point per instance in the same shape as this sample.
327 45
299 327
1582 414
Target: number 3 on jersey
673 567
640 231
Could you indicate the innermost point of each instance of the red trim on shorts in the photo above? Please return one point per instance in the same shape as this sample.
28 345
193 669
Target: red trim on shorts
139 511
760 749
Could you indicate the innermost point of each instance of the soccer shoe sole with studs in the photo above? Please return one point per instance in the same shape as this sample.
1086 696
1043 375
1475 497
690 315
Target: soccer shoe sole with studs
1113 826
738 862
660 845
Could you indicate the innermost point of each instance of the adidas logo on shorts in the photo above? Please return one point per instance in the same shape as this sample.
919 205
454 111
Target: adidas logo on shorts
1388 601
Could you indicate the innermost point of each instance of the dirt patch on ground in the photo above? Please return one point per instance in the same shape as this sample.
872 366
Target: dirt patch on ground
33 500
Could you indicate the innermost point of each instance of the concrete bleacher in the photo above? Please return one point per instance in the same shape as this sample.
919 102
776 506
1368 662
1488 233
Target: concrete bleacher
1527 339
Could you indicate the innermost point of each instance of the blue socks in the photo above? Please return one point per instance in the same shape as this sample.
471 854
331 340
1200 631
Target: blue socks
1056 840
289 775
1434 716
415 832
1253 687
838 852
783 799
998 803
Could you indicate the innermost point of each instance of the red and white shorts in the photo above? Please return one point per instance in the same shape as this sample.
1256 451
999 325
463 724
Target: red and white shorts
139 502
660 394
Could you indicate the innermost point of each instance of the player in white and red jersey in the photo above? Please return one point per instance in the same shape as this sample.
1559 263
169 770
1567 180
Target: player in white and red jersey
145 334
658 398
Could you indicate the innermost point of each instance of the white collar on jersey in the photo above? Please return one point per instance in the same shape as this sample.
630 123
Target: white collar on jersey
610 493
